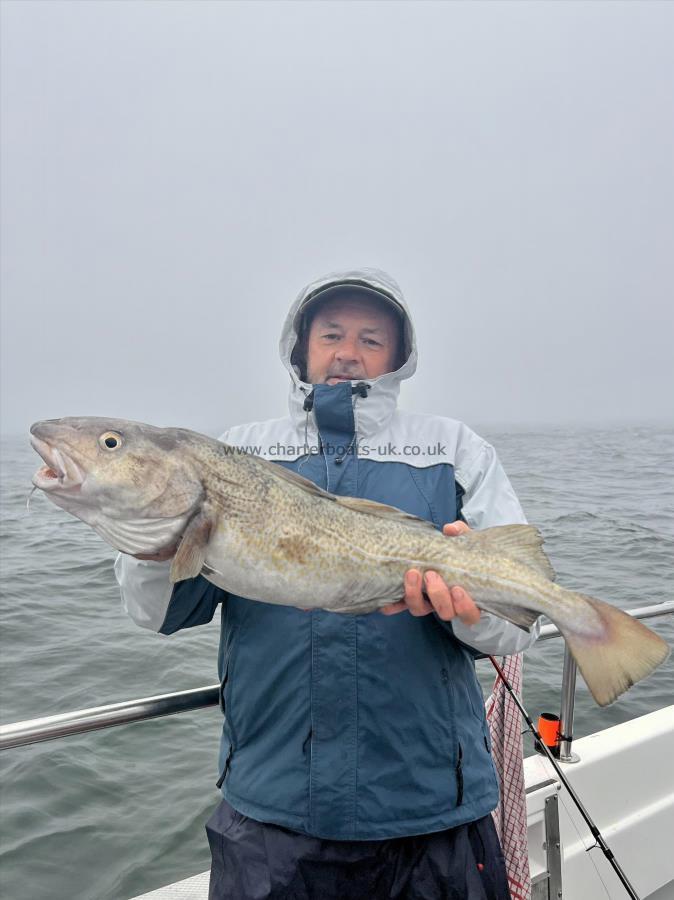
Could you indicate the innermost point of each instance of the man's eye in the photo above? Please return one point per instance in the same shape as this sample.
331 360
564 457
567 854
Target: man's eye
331 337
372 343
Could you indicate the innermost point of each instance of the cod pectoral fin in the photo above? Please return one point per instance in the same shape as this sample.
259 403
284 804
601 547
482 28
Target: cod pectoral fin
190 555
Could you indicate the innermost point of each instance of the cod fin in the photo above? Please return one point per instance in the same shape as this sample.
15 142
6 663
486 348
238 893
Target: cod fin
523 618
523 543
619 653
190 555
357 504
372 508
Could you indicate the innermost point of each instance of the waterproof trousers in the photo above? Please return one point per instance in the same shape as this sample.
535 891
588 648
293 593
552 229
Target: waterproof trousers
258 861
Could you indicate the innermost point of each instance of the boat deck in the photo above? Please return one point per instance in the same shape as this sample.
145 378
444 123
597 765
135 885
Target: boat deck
194 888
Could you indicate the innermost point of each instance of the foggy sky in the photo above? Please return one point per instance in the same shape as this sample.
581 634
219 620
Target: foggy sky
173 173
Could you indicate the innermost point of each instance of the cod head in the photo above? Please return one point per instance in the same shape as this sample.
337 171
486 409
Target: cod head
136 485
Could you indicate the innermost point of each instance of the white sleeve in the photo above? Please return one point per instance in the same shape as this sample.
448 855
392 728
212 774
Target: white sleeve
146 589
494 636
488 500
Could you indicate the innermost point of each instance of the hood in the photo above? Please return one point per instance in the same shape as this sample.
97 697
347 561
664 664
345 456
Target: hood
383 395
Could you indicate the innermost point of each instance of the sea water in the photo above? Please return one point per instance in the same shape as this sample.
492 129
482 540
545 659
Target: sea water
108 815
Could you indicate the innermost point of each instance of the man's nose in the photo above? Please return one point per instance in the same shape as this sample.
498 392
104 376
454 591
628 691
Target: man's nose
347 350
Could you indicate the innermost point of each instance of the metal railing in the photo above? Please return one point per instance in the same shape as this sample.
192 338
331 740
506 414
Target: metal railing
570 670
48 728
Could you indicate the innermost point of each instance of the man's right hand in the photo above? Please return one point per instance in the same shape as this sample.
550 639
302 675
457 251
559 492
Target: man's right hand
159 556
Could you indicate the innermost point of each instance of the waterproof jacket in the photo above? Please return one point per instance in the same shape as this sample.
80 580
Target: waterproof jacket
340 726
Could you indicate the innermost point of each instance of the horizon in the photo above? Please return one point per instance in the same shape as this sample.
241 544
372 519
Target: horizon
498 428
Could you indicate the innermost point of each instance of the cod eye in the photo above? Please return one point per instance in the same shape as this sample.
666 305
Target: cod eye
111 440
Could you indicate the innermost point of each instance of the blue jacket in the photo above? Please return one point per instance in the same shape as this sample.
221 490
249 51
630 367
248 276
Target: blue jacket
353 727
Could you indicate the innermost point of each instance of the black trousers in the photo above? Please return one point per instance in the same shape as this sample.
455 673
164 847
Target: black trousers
256 861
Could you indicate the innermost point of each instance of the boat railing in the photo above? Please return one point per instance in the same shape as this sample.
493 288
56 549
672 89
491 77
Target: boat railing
48 728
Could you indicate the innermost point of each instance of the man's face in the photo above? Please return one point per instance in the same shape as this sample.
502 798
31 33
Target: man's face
351 339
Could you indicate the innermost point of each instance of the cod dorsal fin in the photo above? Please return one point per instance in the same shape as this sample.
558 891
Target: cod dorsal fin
190 555
357 504
523 543
372 508
298 480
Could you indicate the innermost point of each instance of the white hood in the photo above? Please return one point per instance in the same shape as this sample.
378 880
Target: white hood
380 405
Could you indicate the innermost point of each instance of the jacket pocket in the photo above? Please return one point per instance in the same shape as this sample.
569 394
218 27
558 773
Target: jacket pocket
486 734
458 771
223 685
456 750
225 769
227 704
225 708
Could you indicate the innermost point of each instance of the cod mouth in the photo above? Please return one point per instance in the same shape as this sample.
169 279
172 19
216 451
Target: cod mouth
60 472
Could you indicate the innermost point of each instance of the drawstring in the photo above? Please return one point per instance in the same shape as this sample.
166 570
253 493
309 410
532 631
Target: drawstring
360 390
306 435
307 406
308 402
340 459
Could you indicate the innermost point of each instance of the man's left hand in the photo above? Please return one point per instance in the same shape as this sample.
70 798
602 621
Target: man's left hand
433 594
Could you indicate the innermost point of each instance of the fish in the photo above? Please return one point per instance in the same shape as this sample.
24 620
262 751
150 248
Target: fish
258 530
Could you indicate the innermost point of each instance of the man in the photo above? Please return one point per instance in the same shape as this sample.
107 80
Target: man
355 756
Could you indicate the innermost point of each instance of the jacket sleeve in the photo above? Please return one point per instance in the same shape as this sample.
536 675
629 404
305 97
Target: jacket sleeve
488 500
153 602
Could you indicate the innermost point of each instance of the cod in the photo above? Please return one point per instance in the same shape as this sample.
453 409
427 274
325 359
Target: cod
260 531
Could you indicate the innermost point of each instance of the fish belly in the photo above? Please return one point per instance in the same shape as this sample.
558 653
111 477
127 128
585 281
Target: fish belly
298 570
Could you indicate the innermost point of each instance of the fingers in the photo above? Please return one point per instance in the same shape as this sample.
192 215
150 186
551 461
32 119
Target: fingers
431 594
451 529
414 599
392 608
439 595
417 604
450 602
464 606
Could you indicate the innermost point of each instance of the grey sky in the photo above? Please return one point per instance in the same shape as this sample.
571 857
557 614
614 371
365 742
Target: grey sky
173 173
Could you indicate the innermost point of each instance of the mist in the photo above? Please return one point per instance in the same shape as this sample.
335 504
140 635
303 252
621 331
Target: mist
173 173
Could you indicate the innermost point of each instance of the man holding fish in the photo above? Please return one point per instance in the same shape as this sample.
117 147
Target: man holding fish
355 748
355 759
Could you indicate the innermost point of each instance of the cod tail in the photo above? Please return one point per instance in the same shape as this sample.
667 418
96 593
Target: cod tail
616 654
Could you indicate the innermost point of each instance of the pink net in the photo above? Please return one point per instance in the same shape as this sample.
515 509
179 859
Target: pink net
510 816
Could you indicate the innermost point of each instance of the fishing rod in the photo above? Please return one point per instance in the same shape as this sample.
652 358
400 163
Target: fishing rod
596 833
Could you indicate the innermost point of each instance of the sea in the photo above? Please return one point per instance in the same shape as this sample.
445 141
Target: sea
112 814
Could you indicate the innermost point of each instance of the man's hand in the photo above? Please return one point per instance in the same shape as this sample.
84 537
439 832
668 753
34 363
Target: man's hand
446 601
